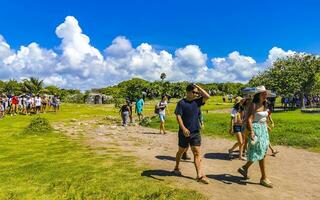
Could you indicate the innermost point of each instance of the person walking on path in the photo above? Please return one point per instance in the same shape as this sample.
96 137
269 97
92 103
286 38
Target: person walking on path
245 132
125 113
271 122
130 109
187 114
162 107
139 108
236 127
259 137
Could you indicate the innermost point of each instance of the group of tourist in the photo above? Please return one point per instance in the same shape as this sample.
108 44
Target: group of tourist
295 101
228 96
27 104
251 123
126 110
249 116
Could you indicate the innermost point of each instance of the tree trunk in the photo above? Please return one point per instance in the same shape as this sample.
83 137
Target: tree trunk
302 103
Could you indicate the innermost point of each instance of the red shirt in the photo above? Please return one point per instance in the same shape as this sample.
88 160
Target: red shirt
15 100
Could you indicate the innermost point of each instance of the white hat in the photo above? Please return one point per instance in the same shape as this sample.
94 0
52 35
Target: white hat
261 88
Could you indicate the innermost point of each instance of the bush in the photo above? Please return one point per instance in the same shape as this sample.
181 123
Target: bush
38 125
146 121
75 98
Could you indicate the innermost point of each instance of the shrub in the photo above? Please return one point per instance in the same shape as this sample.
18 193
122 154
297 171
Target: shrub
38 125
146 121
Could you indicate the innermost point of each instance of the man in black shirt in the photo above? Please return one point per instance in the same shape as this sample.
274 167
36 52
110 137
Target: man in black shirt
187 113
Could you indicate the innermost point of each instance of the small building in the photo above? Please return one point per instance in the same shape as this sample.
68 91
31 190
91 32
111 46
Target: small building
97 98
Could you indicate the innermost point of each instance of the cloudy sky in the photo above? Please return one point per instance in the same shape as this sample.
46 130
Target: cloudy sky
64 43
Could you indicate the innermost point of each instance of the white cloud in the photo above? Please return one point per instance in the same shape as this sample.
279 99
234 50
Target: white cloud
81 65
276 53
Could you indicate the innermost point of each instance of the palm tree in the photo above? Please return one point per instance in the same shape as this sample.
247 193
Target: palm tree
32 85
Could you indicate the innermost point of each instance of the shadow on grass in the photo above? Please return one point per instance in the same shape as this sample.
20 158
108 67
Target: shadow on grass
217 156
162 173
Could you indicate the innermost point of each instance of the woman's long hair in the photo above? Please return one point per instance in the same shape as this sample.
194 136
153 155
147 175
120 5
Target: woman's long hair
256 100
238 107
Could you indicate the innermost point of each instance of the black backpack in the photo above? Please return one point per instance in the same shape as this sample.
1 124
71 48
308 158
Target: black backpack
156 108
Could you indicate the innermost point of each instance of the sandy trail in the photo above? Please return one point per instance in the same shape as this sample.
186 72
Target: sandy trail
294 172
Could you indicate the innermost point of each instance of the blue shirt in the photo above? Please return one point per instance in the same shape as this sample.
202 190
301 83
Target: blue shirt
189 112
139 105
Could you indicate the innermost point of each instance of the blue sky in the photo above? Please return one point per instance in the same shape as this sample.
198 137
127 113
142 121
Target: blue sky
218 28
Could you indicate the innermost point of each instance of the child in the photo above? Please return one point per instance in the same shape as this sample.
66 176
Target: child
162 107
270 121
236 128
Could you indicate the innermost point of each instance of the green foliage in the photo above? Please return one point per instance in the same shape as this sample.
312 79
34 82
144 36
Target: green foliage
32 85
134 87
146 121
12 86
38 125
292 75
74 98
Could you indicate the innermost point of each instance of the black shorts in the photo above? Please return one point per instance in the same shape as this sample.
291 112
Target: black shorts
237 129
193 140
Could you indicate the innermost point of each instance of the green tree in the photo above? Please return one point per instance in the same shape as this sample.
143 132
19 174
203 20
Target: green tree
32 85
12 86
290 76
163 76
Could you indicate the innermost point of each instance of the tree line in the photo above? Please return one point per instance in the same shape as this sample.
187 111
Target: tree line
297 75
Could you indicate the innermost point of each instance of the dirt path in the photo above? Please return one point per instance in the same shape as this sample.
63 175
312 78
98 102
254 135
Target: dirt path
294 172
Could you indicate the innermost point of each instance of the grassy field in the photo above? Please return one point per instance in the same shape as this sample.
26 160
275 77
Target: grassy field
52 166
292 128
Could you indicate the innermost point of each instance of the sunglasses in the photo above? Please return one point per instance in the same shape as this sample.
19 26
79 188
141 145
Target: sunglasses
194 92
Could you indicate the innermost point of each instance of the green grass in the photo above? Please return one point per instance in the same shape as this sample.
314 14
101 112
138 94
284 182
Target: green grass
52 166
292 128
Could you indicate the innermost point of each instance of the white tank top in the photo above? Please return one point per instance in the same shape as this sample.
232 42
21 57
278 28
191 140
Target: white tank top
260 116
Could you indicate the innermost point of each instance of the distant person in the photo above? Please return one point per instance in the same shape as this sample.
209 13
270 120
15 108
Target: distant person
162 107
129 103
259 136
44 103
14 105
54 103
224 98
125 112
24 104
139 108
1 108
37 101
230 96
270 123
236 127
187 113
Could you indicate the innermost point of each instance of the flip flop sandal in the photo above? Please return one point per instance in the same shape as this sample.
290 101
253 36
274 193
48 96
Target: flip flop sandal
177 172
203 180
244 173
275 153
266 183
